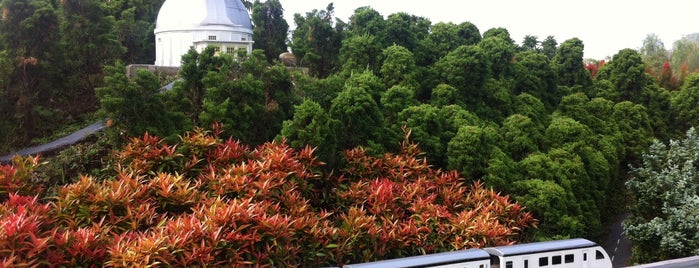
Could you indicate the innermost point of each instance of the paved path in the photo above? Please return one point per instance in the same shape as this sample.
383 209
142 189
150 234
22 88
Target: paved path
617 245
57 144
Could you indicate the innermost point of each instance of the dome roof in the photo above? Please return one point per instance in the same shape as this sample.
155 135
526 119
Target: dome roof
189 14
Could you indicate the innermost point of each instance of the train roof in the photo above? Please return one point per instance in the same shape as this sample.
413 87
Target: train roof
539 247
427 260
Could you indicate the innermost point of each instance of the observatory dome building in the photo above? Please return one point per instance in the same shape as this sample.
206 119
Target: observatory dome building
181 24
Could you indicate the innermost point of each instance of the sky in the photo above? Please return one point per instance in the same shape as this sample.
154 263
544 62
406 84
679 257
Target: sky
604 26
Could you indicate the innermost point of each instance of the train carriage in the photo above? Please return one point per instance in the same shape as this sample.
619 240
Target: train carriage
571 253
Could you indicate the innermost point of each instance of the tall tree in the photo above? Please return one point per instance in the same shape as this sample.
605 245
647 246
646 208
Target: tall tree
549 46
30 36
666 198
654 54
568 64
316 41
91 42
271 29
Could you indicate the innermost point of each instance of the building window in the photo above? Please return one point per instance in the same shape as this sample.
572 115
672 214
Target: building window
217 49
526 263
508 264
243 39
570 258
159 40
230 50
544 261
556 260
212 37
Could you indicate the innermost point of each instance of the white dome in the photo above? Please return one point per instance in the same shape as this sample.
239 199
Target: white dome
192 14
185 24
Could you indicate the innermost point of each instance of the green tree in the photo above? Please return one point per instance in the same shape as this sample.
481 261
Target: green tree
395 99
312 126
534 76
445 94
500 53
398 66
549 46
531 43
137 107
466 68
361 121
626 71
521 136
316 41
568 64
685 105
359 53
408 31
91 42
188 93
271 29
664 187
470 150
29 34
653 53
635 129
426 128
446 37
368 21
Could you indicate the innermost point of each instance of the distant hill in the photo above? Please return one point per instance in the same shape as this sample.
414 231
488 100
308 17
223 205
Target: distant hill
694 36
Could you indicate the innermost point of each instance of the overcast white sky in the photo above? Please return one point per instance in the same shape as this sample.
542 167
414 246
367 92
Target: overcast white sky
604 26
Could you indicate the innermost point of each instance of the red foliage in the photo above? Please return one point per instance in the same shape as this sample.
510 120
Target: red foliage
208 202
667 79
592 68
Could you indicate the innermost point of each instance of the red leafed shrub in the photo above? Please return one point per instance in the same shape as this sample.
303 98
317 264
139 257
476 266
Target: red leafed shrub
214 202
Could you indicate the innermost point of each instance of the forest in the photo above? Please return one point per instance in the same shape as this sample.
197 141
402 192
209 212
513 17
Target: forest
394 136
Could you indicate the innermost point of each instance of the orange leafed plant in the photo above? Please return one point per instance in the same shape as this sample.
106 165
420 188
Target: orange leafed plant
213 202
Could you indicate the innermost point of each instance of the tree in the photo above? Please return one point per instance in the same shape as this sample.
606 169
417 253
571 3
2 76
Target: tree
316 42
467 69
446 37
361 121
398 66
534 76
500 53
470 150
685 105
360 53
188 93
408 31
312 126
271 29
137 107
91 42
531 43
549 46
425 127
367 21
29 36
627 72
568 64
664 187
396 99
654 54
521 136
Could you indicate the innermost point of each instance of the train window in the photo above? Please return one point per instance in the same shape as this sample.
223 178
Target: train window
526 263
599 255
569 258
508 264
481 266
556 260
544 261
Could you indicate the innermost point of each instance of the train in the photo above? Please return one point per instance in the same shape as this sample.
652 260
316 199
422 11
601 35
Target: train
569 253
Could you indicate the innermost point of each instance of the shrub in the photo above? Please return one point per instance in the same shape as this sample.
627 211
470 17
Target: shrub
213 202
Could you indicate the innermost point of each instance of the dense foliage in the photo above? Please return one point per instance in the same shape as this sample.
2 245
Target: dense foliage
210 201
534 121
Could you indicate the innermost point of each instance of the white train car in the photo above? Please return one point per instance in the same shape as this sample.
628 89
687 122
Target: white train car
470 258
571 253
